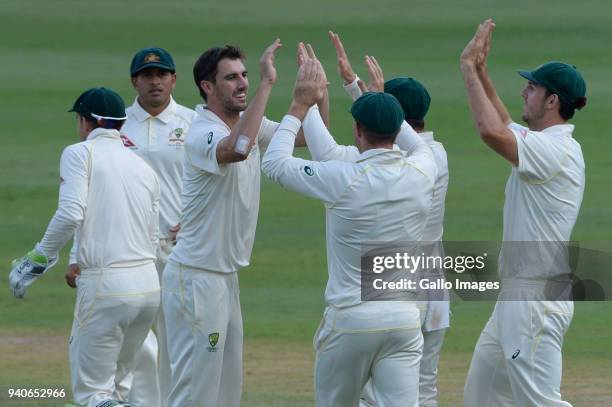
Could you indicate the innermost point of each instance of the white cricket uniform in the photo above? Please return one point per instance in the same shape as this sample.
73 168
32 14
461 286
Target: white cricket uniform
382 196
435 312
160 141
517 360
109 198
200 284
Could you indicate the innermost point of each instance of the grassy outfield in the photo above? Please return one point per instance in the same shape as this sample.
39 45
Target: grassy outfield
53 50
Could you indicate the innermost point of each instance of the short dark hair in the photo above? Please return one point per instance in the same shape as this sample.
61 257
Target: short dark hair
566 110
205 68
416 124
375 138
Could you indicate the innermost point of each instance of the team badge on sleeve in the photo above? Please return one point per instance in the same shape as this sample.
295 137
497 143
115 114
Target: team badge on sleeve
127 142
309 171
209 137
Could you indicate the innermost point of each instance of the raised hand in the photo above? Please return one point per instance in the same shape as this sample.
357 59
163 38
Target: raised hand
267 71
375 74
476 51
344 66
310 84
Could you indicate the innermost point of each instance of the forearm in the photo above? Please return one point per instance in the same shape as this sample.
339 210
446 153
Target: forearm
60 229
486 117
281 147
248 126
408 140
491 93
321 144
353 89
323 106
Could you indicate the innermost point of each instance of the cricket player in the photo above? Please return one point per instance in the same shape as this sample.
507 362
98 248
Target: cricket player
109 198
382 196
415 100
220 202
517 360
155 130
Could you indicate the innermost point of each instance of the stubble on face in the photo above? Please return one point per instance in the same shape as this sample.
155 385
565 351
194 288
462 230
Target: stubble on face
232 85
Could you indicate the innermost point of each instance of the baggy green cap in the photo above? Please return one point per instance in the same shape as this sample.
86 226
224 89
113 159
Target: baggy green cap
378 112
152 57
562 79
100 103
412 95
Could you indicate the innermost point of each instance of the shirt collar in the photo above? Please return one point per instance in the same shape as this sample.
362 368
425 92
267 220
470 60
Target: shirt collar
209 115
560 130
375 152
102 132
427 136
165 116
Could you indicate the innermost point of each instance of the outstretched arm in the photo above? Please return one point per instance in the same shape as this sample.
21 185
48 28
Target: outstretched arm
489 120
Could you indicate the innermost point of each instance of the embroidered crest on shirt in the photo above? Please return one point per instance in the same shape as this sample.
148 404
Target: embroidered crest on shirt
127 142
176 138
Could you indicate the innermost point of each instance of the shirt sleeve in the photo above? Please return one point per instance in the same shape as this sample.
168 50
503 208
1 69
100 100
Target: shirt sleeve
201 148
154 223
325 181
353 89
320 142
266 131
540 158
423 159
74 174
407 139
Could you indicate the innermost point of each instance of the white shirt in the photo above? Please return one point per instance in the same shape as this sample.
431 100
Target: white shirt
323 147
160 141
110 197
220 201
383 196
543 197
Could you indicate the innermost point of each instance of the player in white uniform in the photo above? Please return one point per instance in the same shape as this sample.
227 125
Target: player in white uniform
415 100
220 202
382 196
155 129
109 199
517 360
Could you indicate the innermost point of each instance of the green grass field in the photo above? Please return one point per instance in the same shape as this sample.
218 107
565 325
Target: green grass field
53 50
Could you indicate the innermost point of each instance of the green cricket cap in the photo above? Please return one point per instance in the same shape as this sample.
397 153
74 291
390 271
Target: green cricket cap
152 57
100 103
378 112
412 95
562 79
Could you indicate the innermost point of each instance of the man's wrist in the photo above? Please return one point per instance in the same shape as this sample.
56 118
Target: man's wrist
298 110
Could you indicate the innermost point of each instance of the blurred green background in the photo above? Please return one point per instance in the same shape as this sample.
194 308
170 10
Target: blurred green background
53 50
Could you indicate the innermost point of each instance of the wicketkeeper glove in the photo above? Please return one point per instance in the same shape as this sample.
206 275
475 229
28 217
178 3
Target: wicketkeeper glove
28 269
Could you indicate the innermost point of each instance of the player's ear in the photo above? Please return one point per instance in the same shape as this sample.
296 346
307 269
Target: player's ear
206 87
133 79
553 101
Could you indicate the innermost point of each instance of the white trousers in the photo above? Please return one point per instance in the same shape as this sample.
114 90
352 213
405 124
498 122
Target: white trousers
114 310
517 360
204 331
377 340
428 373
150 382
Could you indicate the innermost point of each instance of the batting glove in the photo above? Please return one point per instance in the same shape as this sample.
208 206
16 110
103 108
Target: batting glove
28 269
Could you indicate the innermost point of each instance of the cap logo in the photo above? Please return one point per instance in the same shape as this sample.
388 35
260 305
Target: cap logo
151 58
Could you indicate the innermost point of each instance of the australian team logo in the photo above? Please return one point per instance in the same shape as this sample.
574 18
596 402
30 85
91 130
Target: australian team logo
176 138
213 339
151 57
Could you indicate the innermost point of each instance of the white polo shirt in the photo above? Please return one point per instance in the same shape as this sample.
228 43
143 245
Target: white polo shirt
220 201
383 196
543 197
160 141
110 197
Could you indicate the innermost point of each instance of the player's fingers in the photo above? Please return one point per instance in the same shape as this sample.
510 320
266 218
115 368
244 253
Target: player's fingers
310 51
